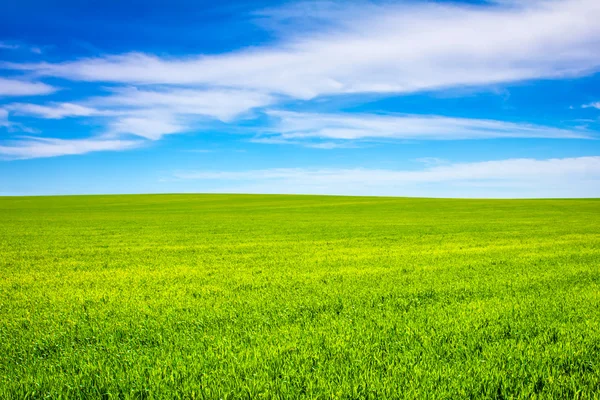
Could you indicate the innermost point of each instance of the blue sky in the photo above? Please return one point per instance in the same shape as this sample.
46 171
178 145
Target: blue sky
406 98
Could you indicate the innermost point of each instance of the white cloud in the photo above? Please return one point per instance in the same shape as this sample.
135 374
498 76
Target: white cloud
592 105
221 104
151 127
18 46
150 123
155 113
386 48
33 147
567 177
294 126
152 113
13 126
15 87
52 110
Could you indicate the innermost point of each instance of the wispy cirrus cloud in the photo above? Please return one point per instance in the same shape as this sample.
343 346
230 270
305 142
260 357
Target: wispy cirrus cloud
296 127
221 104
36 147
149 123
154 113
53 110
18 87
40 147
13 126
592 105
151 113
385 48
20 46
503 178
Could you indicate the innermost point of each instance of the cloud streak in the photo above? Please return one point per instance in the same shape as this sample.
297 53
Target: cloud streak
152 113
221 104
592 105
52 110
34 147
17 46
16 87
294 127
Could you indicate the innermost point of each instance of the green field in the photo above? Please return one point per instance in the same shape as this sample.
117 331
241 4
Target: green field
242 296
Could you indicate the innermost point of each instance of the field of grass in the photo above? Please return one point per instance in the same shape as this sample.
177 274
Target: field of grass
240 296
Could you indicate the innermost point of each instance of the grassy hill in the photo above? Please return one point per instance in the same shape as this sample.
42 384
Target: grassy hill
246 296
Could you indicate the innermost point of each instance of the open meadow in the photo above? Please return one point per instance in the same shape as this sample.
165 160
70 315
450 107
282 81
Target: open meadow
266 296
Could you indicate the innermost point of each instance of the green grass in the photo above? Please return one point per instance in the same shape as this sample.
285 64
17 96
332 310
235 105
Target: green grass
235 296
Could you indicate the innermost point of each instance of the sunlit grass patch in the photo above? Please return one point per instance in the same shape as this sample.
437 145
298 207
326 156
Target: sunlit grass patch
225 296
